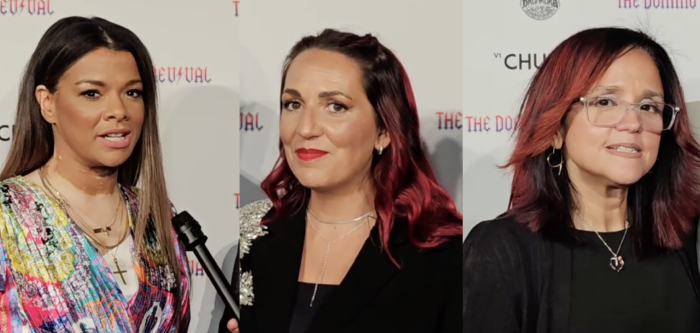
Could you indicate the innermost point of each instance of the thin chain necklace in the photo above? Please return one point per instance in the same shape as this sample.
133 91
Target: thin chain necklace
328 250
65 205
616 261
106 229
357 219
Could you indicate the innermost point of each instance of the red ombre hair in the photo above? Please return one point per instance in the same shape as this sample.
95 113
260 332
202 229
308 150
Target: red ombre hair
404 180
662 205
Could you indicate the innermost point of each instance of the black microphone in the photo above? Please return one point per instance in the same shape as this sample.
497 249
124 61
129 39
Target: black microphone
190 234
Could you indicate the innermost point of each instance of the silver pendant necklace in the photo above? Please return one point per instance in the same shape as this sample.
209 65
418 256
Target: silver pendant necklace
616 261
328 248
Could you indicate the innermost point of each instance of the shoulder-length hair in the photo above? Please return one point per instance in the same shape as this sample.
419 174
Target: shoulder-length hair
63 44
405 183
661 205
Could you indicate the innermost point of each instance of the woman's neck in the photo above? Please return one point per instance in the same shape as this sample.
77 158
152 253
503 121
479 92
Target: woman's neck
67 175
601 207
339 206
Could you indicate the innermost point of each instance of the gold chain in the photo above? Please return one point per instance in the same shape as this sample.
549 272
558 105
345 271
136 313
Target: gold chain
105 229
65 206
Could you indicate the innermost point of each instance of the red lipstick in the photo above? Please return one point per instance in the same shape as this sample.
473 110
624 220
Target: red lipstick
308 154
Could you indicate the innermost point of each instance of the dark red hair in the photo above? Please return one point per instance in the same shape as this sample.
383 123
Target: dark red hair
404 180
662 205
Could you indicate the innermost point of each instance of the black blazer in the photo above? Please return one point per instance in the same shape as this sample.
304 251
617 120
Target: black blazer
517 281
375 296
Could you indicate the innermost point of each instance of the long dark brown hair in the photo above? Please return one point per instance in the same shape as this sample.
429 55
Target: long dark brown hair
64 43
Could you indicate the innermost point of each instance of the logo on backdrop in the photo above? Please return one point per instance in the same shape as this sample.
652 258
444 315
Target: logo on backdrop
540 9
521 61
493 123
176 75
657 4
449 120
250 122
235 4
6 132
25 7
196 268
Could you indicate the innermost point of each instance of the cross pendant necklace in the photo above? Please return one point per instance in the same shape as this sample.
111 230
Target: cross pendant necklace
119 270
116 263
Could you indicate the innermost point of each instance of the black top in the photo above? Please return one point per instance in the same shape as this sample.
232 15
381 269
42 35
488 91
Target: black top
422 296
303 311
515 280
650 296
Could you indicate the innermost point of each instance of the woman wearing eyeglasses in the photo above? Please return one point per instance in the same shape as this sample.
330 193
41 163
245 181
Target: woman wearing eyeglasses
601 229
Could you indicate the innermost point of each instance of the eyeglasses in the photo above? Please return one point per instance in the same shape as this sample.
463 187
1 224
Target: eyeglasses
609 111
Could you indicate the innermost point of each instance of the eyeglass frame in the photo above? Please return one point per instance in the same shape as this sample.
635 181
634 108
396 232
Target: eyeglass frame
676 110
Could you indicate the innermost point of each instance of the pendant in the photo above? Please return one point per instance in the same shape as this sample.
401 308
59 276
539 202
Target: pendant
119 270
617 263
106 230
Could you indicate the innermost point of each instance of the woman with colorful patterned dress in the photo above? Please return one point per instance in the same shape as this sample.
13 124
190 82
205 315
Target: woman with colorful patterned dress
81 249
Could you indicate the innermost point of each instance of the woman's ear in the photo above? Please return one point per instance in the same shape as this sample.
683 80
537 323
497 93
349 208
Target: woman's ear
45 99
383 139
558 140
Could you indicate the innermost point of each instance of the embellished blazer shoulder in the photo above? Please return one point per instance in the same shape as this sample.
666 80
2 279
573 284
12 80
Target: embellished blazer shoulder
250 216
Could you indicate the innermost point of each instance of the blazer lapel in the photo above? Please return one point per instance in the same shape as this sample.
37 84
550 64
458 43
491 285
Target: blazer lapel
368 275
276 274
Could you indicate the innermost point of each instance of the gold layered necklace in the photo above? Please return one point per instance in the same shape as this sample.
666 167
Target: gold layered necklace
87 231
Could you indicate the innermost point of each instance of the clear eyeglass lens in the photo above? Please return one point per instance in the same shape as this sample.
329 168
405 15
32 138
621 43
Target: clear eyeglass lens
610 111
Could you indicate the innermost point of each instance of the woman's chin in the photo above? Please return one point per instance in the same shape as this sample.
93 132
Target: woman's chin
113 159
111 162
625 179
314 183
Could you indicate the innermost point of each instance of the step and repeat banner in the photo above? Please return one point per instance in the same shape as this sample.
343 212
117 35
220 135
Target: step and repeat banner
506 40
194 45
426 37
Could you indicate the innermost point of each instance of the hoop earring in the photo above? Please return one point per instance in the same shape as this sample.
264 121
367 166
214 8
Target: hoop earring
554 150
379 151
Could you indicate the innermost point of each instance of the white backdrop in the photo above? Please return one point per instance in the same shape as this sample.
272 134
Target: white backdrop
425 36
500 34
198 126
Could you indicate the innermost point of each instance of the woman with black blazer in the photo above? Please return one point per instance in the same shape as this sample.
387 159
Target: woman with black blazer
600 234
356 236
